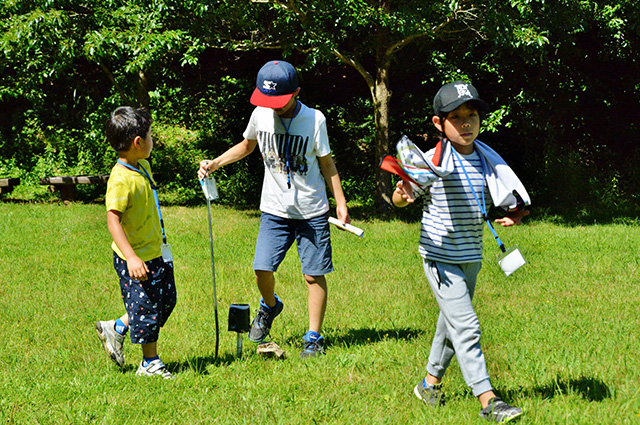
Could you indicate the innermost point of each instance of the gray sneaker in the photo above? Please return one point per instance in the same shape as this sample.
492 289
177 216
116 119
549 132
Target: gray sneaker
432 395
499 411
261 325
313 348
154 368
111 340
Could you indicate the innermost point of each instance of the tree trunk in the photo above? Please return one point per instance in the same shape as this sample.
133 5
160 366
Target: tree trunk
123 96
381 99
142 94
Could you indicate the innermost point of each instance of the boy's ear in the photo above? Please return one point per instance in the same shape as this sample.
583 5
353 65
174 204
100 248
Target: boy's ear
436 121
136 142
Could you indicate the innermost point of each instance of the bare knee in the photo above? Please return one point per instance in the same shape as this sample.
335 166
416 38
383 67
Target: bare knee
315 280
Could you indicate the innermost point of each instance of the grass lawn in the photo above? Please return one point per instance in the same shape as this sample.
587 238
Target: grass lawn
560 335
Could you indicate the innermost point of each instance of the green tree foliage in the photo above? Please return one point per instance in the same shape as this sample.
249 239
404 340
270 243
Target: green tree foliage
365 35
565 89
66 64
370 35
44 40
559 76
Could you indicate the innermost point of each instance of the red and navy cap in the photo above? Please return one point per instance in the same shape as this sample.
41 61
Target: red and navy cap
275 85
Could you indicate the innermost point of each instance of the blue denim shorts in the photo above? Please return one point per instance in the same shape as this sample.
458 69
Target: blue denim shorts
277 234
149 303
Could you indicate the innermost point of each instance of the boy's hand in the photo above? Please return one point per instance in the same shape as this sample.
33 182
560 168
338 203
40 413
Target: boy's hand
513 218
137 268
403 194
342 213
206 167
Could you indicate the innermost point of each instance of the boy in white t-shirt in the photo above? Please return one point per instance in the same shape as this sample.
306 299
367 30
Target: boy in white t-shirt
295 150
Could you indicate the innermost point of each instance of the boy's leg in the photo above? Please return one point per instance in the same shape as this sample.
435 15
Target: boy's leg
442 347
122 324
317 286
266 285
275 237
151 364
153 303
163 296
149 303
141 299
112 341
270 307
150 350
317 304
453 287
314 249
161 293
442 352
313 341
125 319
165 279
110 332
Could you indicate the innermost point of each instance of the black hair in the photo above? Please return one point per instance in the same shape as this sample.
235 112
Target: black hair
124 124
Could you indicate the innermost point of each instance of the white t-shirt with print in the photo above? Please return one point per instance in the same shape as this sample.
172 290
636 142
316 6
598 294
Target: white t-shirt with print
307 141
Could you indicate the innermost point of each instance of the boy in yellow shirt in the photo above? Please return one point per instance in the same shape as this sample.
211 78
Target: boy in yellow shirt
141 256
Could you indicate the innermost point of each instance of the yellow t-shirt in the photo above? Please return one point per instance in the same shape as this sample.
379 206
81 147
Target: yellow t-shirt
130 193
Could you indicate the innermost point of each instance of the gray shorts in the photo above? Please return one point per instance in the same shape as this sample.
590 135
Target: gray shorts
277 234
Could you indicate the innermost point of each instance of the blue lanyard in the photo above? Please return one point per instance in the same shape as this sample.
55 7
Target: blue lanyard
155 193
287 148
483 206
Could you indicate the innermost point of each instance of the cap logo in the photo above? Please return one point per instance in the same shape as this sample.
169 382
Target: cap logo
269 86
463 90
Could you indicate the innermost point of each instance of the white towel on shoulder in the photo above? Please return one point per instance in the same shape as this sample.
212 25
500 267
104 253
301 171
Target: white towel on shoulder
425 168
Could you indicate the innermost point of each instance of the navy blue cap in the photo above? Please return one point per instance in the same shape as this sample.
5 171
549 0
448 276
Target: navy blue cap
275 85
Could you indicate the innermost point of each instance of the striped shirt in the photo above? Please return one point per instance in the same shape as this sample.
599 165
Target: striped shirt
452 221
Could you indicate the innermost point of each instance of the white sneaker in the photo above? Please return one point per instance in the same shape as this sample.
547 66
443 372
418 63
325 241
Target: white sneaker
111 341
154 368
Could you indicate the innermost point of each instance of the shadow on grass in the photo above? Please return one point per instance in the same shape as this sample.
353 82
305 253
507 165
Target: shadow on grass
199 364
590 389
364 336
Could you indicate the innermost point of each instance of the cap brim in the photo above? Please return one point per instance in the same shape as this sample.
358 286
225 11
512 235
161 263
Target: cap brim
274 102
481 105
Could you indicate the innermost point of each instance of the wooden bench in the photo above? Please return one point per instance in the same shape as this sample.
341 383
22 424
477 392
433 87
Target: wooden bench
7 185
67 184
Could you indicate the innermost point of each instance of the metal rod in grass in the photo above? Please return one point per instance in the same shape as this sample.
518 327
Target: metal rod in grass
208 184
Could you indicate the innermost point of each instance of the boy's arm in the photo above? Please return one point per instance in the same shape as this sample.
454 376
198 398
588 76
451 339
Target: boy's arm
331 176
233 154
403 195
513 217
137 268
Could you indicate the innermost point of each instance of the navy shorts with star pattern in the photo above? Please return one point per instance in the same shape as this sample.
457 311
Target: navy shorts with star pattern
149 303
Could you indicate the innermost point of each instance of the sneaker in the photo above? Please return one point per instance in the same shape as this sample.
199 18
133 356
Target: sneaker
432 395
313 348
154 368
111 341
499 411
261 325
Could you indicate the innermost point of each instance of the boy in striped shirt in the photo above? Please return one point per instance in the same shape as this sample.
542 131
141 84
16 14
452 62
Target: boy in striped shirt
451 245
